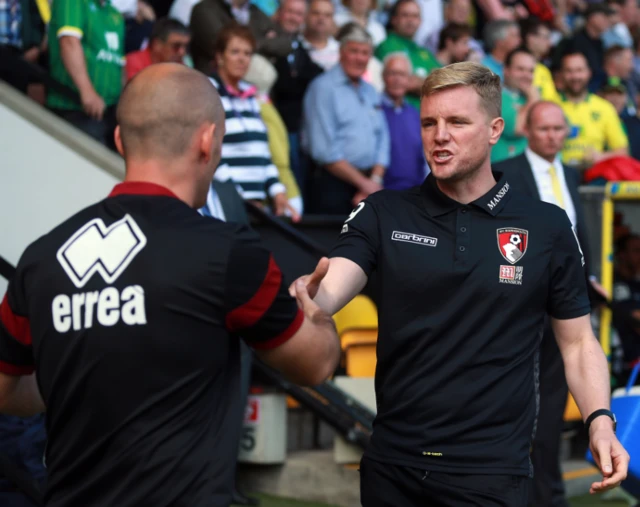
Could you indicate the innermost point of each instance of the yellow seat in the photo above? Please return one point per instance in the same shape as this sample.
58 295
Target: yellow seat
359 313
359 349
571 411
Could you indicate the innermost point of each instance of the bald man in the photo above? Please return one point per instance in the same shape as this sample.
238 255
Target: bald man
129 312
539 172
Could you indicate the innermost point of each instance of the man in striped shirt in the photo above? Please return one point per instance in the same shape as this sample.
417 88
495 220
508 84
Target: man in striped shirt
86 53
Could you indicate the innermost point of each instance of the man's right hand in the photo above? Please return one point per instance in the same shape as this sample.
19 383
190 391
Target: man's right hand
93 104
532 94
312 281
368 187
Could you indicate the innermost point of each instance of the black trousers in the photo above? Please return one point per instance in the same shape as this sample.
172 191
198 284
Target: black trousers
13 69
385 485
100 130
328 195
547 486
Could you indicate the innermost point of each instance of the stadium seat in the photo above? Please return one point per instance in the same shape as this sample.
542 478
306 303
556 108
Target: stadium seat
357 326
359 313
359 352
571 411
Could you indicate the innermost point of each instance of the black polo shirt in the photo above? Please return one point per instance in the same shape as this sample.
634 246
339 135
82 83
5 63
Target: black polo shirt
463 294
128 312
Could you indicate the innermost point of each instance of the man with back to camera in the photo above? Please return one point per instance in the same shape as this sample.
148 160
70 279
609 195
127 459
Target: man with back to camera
467 270
129 314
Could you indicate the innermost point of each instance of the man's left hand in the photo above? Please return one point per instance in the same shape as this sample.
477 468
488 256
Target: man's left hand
612 459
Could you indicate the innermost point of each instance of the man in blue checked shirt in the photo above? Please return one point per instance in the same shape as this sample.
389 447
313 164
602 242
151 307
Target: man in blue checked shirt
344 130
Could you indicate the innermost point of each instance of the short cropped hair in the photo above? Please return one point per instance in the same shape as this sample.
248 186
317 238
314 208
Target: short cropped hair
512 54
496 31
455 32
353 32
397 54
480 78
570 53
164 27
229 32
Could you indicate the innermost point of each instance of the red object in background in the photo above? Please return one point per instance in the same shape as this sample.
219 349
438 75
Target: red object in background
614 169
252 411
542 9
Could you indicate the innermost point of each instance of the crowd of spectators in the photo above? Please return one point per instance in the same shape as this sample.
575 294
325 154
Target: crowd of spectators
321 95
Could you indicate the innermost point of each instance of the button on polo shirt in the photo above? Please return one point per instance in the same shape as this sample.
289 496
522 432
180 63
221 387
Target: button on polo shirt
463 292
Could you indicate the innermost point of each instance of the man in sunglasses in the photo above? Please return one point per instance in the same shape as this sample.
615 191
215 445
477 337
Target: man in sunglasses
169 43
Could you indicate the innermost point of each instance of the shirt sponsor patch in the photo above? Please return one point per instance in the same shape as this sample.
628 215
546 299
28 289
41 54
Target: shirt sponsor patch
511 275
409 237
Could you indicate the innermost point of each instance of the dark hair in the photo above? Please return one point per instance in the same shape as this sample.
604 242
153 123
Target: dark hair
164 27
394 11
572 51
622 243
229 32
531 26
512 54
455 32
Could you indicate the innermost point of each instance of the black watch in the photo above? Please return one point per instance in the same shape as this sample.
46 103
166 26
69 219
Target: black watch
598 413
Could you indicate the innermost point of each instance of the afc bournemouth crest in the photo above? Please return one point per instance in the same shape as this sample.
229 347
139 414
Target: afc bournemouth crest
513 243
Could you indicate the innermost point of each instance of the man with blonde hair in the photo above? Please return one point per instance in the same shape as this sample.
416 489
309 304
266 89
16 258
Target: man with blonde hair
468 270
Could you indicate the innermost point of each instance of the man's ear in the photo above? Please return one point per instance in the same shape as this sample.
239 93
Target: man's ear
497 127
118 140
207 140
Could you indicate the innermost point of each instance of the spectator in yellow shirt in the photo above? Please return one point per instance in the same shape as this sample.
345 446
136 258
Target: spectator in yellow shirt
595 130
536 37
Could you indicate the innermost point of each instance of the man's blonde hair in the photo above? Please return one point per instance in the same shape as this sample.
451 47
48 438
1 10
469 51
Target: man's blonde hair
480 78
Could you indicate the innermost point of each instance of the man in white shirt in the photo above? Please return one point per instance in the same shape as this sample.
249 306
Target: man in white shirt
322 47
539 172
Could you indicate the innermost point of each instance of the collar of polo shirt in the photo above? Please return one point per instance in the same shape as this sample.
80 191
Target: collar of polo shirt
437 203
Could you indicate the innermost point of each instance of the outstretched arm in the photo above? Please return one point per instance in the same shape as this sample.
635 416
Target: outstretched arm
333 284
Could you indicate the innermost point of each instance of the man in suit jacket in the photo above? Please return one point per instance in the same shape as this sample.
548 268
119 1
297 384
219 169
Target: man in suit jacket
224 203
538 172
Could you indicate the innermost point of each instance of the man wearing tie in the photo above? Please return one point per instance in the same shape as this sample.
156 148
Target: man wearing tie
539 172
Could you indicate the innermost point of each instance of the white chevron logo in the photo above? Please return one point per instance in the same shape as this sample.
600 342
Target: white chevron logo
98 248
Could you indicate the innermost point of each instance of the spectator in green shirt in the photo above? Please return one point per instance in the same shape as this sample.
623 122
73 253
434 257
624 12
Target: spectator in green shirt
86 54
404 21
518 95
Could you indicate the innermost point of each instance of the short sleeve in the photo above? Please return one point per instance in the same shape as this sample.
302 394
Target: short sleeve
359 238
69 17
568 296
258 305
16 353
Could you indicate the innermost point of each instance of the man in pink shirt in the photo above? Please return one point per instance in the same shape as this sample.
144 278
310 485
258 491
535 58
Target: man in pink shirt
169 42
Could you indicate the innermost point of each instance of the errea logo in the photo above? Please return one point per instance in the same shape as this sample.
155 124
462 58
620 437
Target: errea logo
96 248
409 237
108 251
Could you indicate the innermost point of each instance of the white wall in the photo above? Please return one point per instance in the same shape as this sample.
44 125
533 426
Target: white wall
42 183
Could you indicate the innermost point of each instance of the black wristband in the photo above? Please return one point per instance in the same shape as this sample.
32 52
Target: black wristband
598 413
